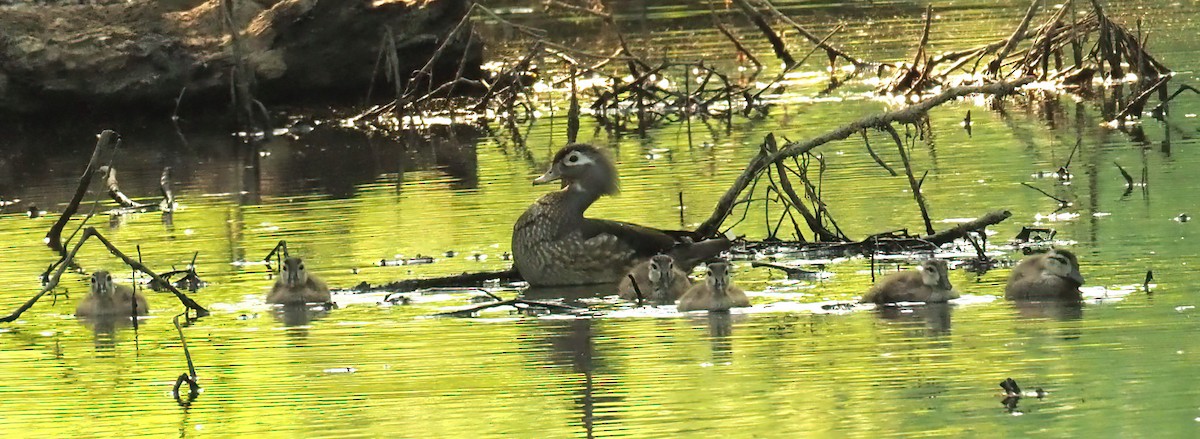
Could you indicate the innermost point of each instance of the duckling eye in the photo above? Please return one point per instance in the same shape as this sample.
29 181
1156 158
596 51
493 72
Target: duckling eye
573 158
108 278
653 266
285 267
301 266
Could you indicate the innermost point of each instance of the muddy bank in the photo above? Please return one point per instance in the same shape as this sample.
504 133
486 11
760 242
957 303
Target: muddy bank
143 55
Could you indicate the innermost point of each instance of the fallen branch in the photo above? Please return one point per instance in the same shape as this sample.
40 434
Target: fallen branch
961 230
107 139
459 280
911 114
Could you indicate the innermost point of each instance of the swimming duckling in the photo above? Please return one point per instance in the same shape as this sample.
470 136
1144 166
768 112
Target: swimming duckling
929 282
297 286
1053 275
717 293
553 244
110 300
658 280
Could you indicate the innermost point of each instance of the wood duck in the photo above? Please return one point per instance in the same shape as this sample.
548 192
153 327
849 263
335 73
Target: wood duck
295 285
658 279
717 293
929 282
107 299
554 245
1053 275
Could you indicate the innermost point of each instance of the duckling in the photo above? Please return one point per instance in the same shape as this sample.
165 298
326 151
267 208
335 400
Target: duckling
929 282
1053 275
717 293
657 279
554 245
297 286
110 300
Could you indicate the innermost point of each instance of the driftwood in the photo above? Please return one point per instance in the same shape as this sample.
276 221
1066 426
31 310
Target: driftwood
138 55
460 280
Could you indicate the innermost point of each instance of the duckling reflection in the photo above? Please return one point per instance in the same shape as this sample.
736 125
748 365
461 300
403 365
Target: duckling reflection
935 316
929 282
108 300
658 279
299 314
297 286
717 293
720 329
1060 310
1050 276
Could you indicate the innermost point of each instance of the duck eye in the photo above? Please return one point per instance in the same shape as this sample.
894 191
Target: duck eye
573 158
301 266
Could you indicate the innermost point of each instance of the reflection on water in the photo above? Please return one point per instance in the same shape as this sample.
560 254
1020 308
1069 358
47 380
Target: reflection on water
448 195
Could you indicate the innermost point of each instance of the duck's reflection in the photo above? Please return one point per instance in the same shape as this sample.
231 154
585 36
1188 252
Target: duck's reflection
934 317
720 331
105 328
1061 310
299 314
570 294
571 344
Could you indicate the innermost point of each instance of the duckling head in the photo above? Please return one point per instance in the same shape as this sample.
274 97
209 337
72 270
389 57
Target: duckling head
582 167
294 274
1064 264
662 272
718 276
102 284
935 273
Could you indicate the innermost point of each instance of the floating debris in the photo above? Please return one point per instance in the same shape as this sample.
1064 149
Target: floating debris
401 261
334 370
1183 218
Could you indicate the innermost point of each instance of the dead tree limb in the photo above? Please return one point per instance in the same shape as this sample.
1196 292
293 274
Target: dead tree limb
459 280
910 114
961 230
1017 36
107 140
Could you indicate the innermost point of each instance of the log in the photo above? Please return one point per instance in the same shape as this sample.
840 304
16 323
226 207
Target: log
139 55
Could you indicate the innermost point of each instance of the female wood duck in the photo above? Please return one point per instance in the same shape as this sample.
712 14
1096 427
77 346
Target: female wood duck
554 245
929 282
110 300
658 280
297 286
1053 275
717 293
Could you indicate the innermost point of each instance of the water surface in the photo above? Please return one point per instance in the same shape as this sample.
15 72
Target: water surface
345 200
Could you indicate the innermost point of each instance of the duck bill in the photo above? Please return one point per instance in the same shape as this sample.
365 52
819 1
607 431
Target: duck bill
549 176
1076 277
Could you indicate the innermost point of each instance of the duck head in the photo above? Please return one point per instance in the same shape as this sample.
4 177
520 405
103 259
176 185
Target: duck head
718 276
1064 264
102 284
935 273
662 272
294 274
583 168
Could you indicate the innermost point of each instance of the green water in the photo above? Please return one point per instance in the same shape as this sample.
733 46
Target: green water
1119 367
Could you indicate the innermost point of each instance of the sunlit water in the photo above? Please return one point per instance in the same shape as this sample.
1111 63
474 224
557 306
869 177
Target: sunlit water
1121 366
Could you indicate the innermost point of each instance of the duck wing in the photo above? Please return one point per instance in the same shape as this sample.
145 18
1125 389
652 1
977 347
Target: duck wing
644 241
